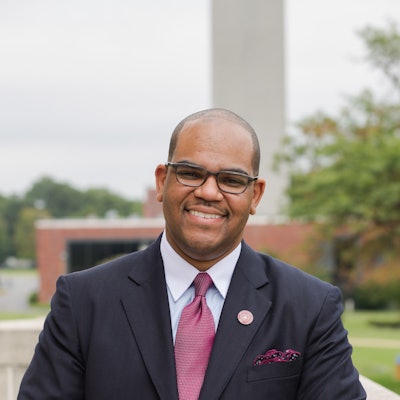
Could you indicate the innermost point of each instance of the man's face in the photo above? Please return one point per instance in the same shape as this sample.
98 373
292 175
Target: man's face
204 224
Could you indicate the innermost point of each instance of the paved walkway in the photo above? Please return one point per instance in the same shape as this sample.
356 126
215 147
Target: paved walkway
15 290
378 343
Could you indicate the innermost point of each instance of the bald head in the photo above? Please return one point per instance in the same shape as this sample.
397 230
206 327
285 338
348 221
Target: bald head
218 114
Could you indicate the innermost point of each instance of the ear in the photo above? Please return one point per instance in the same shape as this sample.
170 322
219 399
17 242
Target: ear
258 191
161 175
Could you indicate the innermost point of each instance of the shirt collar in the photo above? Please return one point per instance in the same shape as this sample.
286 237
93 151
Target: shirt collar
179 274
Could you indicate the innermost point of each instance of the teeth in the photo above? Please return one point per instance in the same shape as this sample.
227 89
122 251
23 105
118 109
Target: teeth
203 215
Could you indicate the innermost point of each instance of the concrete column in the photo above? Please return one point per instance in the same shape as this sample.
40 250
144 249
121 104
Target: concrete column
248 77
17 343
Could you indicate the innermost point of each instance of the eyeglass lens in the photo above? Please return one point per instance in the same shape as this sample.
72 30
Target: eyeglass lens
195 176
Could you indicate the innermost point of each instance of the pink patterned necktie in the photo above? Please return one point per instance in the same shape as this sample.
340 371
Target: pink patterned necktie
194 340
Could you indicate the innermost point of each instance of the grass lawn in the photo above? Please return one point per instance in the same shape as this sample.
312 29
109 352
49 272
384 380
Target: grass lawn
32 312
376 347
16 271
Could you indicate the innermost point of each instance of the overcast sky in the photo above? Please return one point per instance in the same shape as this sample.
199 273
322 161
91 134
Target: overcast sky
90 90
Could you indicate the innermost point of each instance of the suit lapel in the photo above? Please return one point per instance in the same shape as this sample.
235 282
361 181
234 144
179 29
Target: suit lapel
247 291
147 310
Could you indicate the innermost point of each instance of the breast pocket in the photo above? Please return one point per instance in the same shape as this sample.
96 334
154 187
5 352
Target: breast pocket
276 370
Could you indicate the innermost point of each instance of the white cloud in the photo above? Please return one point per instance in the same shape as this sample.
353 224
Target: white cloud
91 90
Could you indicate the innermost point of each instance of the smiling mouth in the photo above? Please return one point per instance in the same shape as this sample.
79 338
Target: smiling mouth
204 215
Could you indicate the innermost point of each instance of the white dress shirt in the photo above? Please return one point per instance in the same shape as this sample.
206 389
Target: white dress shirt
179 276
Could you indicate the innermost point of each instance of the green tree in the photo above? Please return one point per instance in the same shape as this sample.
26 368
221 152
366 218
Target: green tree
58 198
9 211
345 169
48 198
24 237
99 201
4 238
383 51
63 200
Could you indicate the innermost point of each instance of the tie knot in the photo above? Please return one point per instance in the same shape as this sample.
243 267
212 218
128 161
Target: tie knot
202 282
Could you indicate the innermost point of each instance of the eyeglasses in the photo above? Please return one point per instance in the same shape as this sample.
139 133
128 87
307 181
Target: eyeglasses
227 181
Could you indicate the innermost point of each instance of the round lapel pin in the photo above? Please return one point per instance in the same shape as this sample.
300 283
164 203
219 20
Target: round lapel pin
245 317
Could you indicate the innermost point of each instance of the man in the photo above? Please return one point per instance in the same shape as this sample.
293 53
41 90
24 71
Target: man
114 331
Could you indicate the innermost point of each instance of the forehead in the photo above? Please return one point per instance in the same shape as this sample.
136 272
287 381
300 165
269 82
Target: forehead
213 131
215 143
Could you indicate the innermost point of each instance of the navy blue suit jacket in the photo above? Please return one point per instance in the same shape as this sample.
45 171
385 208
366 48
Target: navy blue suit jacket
108 336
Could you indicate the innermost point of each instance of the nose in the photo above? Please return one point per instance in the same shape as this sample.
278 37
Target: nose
209 190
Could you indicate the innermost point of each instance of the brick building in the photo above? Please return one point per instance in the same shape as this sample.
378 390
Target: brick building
67 245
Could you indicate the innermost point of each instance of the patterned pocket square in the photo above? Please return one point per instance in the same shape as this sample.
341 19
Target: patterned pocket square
273 355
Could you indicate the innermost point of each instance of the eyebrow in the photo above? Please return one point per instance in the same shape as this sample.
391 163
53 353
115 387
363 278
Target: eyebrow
238 170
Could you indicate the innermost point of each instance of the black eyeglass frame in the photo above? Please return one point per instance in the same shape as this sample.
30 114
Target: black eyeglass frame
208 173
